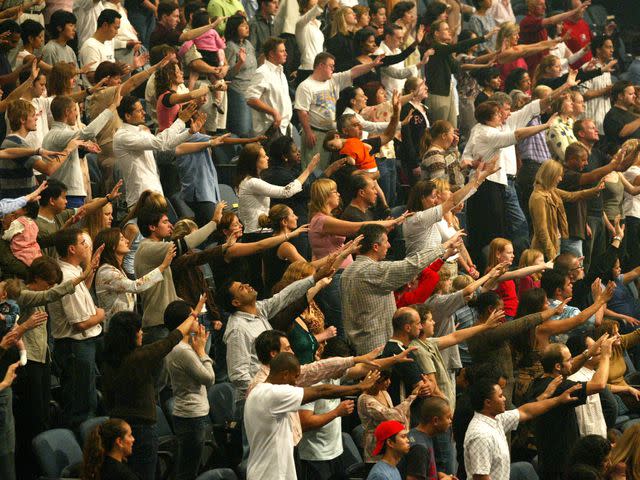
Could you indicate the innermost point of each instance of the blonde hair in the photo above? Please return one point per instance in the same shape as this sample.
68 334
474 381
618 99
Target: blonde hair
93 221
320 191
294 272
338 23
150 199
273 220
547 62
442 184
183 228
496 247
627 451
17 111
59 78
461 281
547 174
528 258
506 30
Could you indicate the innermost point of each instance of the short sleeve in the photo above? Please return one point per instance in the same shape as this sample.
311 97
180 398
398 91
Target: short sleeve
284 399
509 419
417 462
303 98
531 24
311 406
343 80
257 87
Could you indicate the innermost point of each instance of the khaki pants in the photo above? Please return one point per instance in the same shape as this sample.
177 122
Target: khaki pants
308 153
442 108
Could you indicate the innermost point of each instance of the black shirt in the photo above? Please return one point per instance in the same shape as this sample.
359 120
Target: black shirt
114 470
576 211
557 430
283 175
614 122
405 375
597 159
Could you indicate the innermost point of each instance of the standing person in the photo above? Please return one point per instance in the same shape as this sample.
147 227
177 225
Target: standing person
619 123
392 443
266 418
316 99
133 146
268 94
309 36
578 34
62 30
191 371
597 91
98 47
341 42
152 251
261 23
486 450
129 376
441 68
65 114
413 131
106 450
241 55
142 15
114 290
533 27
76 324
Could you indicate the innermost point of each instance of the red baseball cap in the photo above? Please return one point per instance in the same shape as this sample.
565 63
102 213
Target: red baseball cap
384 431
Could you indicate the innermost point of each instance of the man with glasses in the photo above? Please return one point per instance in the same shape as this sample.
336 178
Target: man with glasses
316 99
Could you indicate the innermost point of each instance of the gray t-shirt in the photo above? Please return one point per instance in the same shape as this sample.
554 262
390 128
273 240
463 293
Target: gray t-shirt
53 53
190 376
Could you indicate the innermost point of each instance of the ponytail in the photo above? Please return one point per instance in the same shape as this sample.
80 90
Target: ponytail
273 220
438 128
99 443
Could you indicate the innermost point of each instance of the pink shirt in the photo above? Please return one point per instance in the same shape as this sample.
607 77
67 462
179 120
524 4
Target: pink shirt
323 244
166 114
24 245
209 42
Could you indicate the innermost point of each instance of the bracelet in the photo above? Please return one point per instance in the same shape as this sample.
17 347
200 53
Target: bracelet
617 238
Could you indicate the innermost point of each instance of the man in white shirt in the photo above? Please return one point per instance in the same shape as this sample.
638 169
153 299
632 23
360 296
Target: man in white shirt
268 94
87 12
134 144
316 99
596 91
486 450
126 42
268 424
65 115
75 325
394 76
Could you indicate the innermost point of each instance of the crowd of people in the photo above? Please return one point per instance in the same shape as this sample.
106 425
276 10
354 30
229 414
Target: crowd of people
414 222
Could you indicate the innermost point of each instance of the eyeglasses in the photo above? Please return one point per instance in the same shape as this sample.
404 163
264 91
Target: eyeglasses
579 267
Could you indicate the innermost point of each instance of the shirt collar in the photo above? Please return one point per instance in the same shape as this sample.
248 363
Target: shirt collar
492 422
273 67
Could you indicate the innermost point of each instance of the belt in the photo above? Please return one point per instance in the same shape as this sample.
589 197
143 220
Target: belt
511 177
320 129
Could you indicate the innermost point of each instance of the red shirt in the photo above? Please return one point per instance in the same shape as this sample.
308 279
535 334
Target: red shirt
426 284
580 36
532 31
507 292
527 283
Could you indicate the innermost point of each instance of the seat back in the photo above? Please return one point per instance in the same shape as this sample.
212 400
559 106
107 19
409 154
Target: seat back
221 403
163 426
88 425
350 454
218 474
228 195
56 449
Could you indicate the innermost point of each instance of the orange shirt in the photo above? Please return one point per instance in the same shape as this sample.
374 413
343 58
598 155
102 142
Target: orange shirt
359 151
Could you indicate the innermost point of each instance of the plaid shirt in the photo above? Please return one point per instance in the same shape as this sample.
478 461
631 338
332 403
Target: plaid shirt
535 147
368 285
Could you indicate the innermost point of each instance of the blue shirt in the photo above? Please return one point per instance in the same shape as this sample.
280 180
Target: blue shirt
383 471
569 312
623 301
198 174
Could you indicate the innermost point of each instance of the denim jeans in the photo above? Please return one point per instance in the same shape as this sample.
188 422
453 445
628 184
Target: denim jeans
239 114
144 22
516 222
191 433
444 452
522 471
75 201
144 458
76 360
388 178
571 245
330 302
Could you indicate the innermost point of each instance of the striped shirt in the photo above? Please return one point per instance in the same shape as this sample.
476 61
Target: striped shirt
16 174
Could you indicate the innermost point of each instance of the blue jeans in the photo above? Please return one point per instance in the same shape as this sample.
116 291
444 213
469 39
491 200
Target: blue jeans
444 452
144 458
522 471
191 433
76 360
388 178
516 222
330 302
75 201
571 245
239 114
144 23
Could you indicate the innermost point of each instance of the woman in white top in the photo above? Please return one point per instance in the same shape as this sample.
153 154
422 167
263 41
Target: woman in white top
420 230
309 37
254 194
115 291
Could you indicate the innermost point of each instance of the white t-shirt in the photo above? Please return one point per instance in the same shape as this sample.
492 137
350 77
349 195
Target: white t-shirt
631 202
324 443
319 99
268 428
590 416
95 51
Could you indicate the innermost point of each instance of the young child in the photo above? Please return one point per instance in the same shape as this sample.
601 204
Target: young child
211 46
23 234
9 310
